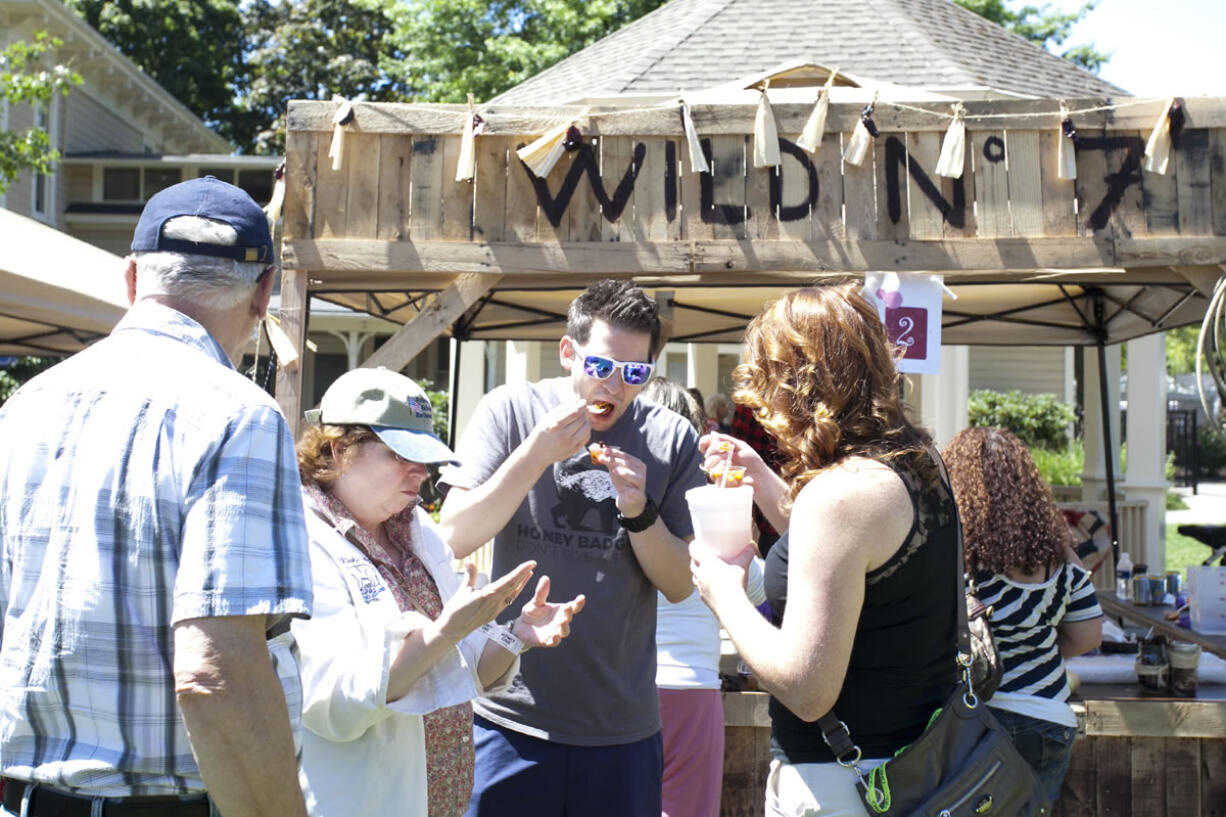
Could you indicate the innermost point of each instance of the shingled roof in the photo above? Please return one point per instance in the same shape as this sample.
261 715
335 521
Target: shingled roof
696 44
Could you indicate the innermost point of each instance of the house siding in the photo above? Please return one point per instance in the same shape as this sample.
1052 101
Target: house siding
1030 369
93 127
114 238
79 182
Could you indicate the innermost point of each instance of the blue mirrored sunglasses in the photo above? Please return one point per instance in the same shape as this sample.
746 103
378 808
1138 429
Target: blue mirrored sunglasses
633 374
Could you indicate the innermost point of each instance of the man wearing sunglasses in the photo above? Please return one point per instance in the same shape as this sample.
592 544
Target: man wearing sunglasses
578 730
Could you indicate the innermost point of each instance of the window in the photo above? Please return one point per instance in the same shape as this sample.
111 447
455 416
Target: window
137 184
121 184
4 123
44 119
159 178
257 183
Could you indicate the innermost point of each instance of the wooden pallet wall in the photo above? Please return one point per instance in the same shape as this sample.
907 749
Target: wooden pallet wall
398 186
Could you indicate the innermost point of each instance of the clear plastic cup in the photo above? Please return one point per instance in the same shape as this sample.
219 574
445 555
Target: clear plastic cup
722 517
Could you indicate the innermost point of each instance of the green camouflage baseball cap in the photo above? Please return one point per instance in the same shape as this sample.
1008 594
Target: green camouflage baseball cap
396 409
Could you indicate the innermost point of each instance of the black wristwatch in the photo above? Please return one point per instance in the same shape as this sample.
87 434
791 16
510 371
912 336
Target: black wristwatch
640 523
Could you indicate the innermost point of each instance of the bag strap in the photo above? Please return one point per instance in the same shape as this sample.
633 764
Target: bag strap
964 630
834 731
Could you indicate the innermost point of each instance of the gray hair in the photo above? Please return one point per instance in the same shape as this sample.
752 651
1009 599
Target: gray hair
220 283
717 401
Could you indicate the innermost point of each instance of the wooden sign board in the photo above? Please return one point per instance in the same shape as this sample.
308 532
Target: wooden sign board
626 201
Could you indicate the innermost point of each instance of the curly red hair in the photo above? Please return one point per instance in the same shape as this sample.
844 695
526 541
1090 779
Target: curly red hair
820 376
1009 519
325 452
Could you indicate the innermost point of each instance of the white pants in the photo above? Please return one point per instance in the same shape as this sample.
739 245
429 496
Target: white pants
813 789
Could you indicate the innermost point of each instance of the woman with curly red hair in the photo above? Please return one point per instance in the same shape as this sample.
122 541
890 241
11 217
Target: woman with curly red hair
1020 554
863 584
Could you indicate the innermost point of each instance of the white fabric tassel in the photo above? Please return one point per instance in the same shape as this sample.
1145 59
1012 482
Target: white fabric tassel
857 145
466 167
1158 147
953 149
272 210
698 161
815 127
543 154
1066 154
336 150
287 355
765 135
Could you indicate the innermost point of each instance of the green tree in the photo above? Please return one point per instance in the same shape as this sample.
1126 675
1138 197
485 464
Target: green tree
192 48
1181 349
312 49
1043 25
454 47
25 79
19 372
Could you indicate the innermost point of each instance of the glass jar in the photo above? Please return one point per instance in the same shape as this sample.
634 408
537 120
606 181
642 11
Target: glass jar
1184 658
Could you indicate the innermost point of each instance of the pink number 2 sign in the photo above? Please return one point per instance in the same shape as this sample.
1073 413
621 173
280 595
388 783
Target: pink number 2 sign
910 307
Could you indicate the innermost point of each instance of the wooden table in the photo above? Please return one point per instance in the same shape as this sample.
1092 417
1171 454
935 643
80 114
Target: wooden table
1151 616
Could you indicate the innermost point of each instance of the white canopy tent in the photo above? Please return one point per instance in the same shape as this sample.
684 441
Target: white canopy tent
57 293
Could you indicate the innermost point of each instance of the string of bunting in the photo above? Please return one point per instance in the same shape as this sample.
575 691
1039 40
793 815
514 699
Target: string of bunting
541 155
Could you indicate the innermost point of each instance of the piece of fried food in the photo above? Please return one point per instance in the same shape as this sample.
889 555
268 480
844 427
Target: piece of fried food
736 474
598 453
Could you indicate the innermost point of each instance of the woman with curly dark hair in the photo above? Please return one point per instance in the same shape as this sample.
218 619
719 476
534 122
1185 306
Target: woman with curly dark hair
863 584
1019 552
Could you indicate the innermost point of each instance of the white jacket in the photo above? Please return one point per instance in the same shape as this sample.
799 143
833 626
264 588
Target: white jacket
360 754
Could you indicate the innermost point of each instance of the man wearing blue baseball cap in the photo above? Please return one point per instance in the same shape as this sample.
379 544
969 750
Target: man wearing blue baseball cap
154 547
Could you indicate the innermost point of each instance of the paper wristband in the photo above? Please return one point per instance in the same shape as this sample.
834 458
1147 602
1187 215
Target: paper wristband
503 636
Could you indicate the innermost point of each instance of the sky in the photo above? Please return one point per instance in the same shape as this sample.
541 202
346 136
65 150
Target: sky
1159 47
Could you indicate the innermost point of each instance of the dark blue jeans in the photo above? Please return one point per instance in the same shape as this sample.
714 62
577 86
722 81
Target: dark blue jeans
521 776
1047 746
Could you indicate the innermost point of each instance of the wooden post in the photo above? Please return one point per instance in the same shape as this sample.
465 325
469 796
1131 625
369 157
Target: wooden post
293 317
438 314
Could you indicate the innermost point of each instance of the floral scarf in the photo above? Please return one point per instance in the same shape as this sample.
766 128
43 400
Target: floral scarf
449 748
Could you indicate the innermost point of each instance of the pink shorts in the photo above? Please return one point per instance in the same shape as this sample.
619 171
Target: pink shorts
693 732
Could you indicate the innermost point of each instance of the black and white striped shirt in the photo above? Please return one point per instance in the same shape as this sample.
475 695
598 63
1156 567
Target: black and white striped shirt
1025 618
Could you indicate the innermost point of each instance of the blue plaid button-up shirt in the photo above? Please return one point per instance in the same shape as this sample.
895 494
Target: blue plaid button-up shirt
143 482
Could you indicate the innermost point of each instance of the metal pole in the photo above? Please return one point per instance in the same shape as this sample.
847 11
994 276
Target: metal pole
454 391
1109 456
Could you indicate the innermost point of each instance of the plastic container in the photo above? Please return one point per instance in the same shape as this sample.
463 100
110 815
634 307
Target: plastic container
1207 599
722 517
1123 578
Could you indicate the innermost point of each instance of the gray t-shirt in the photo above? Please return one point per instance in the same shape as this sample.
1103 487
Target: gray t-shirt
597 688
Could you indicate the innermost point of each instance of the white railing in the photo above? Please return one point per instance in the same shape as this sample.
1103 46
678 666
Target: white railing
1131 515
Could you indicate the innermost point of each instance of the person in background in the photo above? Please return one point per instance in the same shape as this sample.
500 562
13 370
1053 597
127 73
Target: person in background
398 644
745 427
687 671
696 393
154 545
863 583
1020 554
719 412
578 474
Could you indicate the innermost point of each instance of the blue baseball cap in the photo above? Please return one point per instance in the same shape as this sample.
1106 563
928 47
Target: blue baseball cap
210 198
396 409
